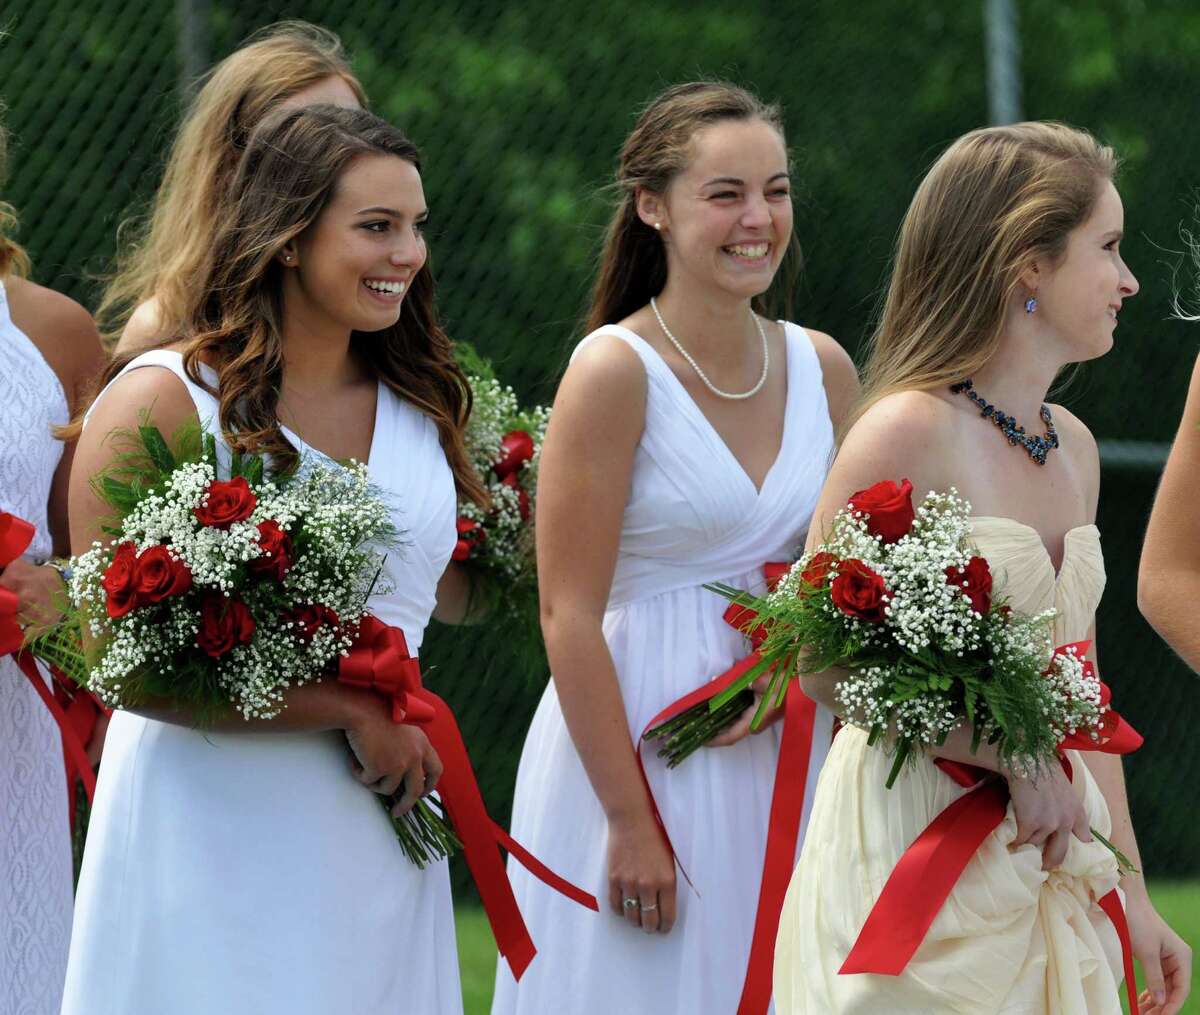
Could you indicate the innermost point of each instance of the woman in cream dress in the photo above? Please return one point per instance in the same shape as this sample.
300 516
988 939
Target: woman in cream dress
1008 268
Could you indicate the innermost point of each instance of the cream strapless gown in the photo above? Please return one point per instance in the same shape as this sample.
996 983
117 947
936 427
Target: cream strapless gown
1011 937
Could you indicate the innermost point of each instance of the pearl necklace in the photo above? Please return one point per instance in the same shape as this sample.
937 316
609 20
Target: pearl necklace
696 366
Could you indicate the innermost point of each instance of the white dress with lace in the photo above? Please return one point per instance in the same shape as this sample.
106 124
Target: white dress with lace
35 837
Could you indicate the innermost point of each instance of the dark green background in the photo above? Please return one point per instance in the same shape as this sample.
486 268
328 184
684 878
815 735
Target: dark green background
520 109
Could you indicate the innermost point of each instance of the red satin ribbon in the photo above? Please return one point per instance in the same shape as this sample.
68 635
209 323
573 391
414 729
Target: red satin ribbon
787 797
78 719
380 661
922 880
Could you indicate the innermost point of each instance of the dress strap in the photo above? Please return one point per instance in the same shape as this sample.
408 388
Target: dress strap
205 402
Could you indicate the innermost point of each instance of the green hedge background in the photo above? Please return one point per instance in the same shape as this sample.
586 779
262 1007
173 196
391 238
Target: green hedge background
520 109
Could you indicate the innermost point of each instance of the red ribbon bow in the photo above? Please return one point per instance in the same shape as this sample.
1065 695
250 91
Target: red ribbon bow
380 661
787 796
78 719
925 875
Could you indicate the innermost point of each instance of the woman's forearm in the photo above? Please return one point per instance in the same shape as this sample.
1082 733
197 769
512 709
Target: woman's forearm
317 707
1167 600
1109 772
590 697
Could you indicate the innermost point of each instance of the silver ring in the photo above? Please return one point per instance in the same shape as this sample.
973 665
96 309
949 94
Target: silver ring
630 903
650 908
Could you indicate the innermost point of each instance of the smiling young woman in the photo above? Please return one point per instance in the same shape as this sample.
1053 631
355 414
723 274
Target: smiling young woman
241 869
1008 268
689 439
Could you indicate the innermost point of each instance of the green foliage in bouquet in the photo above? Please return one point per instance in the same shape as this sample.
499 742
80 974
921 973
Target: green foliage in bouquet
496 544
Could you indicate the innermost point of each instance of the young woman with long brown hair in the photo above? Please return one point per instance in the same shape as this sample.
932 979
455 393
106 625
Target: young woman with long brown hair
689 440
1008 268
240 869
49 355
291 63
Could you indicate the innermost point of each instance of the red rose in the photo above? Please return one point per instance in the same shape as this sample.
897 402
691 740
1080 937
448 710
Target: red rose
224 623
819 569
514 483
160 575
889 508
120 581
516 448
226 502
470 535
976 582
277 555
310 619
859 592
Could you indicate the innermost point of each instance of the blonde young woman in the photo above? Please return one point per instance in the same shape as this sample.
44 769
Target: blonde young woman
690 437
248 869
288 64
49 354
1008 268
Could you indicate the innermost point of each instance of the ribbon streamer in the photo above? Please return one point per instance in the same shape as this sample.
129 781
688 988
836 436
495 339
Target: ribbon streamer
380 661
787 797
77 719
925 875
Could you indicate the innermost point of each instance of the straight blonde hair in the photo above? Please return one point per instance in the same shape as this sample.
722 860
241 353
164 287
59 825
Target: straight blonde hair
997 199
166 251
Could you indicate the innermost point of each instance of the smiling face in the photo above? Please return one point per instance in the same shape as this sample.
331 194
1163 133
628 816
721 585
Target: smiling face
352 267
1079 297
727 218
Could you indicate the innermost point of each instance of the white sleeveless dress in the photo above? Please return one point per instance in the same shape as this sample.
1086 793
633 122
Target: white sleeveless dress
250 873
693 516
35 834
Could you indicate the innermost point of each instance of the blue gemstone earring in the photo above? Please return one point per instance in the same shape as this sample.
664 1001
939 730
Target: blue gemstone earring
1031 305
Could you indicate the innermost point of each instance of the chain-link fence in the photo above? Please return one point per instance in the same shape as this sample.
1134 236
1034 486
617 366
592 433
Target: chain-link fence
520 109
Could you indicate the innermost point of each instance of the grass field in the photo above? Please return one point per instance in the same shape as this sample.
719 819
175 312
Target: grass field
1179 903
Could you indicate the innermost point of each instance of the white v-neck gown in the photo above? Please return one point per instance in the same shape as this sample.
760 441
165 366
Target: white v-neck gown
693 516
250 873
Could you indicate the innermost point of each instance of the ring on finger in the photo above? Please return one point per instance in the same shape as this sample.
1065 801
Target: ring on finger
631 904
650 908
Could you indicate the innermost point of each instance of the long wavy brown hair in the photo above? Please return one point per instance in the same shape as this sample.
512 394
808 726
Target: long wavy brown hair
996 200
13 259
633 263
232 320
163 252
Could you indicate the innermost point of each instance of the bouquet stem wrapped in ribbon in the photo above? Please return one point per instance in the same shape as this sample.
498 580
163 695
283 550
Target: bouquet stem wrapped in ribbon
897 595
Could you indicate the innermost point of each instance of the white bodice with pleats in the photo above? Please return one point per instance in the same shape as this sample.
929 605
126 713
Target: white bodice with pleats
693 516
35 838
250 873
1011 939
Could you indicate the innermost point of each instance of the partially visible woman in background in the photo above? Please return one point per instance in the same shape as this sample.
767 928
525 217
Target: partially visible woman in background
288 64
49 351
1169 573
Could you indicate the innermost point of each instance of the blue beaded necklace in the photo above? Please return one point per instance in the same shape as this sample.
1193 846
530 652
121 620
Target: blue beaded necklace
1036 447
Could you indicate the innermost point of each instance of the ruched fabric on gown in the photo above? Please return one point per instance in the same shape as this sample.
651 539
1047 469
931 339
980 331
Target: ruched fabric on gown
1011 937
693 516
251 873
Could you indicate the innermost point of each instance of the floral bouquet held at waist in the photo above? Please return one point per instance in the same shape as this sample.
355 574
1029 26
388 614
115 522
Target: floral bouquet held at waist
215 595
504 442
898 596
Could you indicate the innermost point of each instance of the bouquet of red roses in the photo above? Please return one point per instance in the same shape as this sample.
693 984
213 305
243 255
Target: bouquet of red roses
224 593
496 543
898 596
